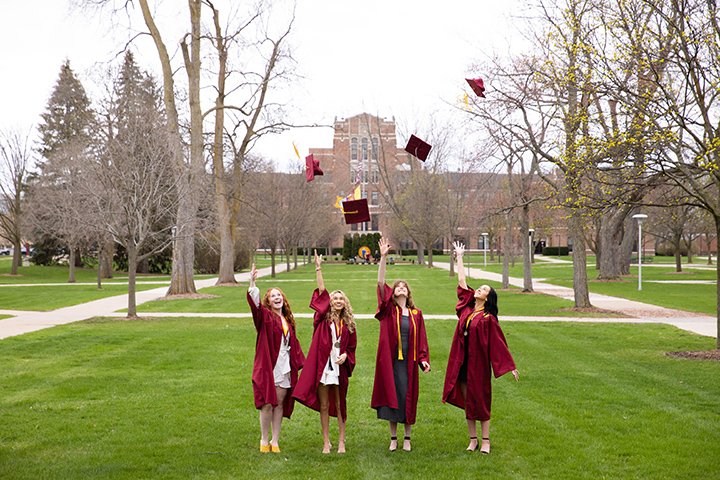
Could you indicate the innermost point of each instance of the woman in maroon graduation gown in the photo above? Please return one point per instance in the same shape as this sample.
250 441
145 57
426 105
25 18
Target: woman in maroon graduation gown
402 348
323 384
278 359
477 346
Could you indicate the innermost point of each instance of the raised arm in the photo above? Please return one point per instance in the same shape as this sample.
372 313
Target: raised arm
318 272
459 250
384 249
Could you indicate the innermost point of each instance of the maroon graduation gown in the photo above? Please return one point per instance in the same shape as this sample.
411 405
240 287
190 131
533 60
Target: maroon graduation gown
269 337
384 386
486 348
318 355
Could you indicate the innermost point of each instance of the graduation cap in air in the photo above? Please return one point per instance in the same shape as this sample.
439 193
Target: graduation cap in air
418 148
312 168
477 85
356 211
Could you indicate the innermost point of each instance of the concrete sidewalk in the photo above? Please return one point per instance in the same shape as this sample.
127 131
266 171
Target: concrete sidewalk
25 322
639 312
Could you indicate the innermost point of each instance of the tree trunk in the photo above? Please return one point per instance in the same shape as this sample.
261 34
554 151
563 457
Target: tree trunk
626 247
689 251
452 257
272 262
132 267
420 253
525 242
99 266
430 255
610 238
295 256
17 259
580 283
71 264
717 283
108 250
507 252
678 253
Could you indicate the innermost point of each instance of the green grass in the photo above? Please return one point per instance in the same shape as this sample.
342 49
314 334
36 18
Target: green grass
432 289
45 298
172 399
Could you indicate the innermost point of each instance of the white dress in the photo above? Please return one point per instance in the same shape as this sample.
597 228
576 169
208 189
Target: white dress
331 374
281 371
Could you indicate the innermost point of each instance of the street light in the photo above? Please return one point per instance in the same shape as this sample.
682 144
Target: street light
639 217
485 237
530 238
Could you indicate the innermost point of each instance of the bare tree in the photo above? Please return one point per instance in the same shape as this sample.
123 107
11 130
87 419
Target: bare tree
15 160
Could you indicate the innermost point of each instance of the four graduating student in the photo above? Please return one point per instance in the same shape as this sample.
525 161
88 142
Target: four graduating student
278 359
323 384
478 350
402 348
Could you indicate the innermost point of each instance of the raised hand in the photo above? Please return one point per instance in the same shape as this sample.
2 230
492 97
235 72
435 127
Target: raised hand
459 249
318 260
384 246
253 275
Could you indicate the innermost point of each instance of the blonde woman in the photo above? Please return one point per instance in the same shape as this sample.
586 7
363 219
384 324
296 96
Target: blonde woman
323 386
278 359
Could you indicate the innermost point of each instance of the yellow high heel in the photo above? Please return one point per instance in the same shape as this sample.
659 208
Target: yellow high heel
275 448
264 448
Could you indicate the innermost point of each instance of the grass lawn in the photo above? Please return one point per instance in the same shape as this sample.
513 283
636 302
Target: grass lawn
172 399
45 298
432 289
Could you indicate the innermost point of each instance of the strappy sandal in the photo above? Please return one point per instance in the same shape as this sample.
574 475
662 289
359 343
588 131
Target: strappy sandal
472 449
484 450
407 441
393 439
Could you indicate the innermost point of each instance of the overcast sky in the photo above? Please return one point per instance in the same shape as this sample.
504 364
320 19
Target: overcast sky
395 58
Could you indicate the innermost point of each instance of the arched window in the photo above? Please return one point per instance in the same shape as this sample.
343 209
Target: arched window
364 148
353 149
374 148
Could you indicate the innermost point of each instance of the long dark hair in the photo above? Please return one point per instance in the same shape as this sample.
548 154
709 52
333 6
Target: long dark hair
491 305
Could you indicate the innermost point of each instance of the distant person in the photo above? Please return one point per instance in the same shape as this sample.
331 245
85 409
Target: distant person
477 351
278 359
402 348
323 385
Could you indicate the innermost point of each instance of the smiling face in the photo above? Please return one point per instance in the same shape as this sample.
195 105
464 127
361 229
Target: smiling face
482 292
400 290
276 299
337 301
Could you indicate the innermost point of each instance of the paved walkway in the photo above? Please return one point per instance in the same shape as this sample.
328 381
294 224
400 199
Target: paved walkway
24 322
639 312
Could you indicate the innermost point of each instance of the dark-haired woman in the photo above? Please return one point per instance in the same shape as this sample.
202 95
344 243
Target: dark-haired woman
478 350
402 349
323 385
278 359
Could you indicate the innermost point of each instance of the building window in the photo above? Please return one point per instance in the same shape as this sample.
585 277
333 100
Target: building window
364 148
374 221
374 197
374 176
374 148
353 149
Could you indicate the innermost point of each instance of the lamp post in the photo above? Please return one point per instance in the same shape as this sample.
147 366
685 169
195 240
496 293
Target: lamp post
531 231
640 217
485 237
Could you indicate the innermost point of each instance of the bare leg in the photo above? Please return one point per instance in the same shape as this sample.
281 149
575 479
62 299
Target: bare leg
265 420
277 416
485 427
341 421
324 416
393 436
406 442
472 427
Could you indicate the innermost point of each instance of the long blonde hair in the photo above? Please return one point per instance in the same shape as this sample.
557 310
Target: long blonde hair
409 303
345 315
286 310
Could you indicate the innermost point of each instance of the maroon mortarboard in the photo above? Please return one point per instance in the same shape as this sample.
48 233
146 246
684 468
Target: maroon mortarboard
312 168
418 148
477 85
356 211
